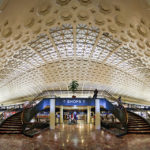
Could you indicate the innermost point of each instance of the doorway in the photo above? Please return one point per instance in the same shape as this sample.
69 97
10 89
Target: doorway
75 116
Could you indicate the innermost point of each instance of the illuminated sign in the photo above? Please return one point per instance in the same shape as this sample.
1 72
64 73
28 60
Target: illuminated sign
75 102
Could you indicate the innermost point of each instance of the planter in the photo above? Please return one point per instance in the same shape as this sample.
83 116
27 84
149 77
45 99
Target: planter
73 96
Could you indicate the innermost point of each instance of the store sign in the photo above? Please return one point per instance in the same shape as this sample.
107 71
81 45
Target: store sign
75 102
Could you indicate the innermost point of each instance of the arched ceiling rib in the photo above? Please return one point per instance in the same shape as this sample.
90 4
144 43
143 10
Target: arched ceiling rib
96 42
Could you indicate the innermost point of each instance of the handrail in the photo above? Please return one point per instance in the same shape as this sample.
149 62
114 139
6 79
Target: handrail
25 108
31 103
124 109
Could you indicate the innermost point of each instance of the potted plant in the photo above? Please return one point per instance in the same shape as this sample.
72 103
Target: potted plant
73 86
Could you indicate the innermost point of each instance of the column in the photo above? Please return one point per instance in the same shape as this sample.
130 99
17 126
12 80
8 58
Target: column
61 114
97 114
88 114
52 113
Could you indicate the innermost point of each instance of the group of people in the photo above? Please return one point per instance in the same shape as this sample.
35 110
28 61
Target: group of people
72 117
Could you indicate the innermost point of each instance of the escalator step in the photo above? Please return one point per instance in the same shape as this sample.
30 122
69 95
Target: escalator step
136 126
10 132
11 126
12 122
139 132
137 123
10 129
138 129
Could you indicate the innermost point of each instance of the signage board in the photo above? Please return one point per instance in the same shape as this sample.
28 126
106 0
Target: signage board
75 102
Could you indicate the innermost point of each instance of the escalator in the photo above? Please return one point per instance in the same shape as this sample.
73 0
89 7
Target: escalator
31 111
119 113
17 123
30 129
12 125
131 122
137 124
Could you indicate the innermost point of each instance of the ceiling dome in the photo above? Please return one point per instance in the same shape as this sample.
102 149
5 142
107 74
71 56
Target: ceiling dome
46 44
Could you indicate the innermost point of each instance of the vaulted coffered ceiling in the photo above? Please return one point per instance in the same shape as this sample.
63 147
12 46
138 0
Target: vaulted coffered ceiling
103 44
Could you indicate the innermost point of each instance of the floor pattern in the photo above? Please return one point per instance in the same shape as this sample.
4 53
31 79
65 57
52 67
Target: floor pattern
75 137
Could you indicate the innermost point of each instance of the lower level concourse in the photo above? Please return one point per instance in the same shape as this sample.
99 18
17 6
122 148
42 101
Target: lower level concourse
75 137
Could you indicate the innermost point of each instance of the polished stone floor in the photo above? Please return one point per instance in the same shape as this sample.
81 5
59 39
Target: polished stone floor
75 137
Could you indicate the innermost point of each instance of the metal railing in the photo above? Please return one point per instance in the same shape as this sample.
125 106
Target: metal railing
123 108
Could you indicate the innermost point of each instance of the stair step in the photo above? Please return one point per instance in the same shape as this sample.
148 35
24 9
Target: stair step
139 132
10 132
138 129
136 126
11 126
137 123
10 129
12 123
14 119
135 119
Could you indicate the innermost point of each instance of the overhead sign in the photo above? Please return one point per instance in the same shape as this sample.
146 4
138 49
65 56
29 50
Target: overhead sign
75 102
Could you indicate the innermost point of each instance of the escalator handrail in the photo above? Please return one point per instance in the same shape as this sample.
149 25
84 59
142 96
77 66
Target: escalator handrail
30 105
124 109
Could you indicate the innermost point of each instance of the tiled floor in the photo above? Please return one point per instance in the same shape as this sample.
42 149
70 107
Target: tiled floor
75 137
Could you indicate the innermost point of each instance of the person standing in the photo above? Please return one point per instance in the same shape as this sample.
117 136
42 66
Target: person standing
119 102
95 93
72 117
69 118
75 117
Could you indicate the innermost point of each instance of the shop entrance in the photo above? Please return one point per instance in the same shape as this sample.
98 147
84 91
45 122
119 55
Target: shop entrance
74 115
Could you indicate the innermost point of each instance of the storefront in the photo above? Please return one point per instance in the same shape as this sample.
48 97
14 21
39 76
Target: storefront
74 111
70 111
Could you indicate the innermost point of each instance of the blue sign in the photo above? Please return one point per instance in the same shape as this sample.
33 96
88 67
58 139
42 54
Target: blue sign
106 104
75 102
43 104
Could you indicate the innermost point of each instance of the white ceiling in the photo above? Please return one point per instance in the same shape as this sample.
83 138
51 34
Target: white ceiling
46 44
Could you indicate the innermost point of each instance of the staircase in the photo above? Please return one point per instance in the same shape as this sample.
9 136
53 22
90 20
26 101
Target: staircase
137 124
12 125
